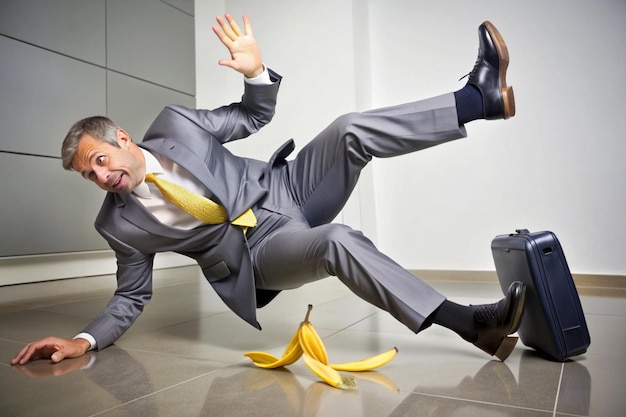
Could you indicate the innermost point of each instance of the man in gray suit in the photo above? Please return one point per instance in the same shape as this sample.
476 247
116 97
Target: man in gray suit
291 240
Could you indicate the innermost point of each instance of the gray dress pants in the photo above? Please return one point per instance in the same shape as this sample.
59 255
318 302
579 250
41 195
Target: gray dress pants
303 246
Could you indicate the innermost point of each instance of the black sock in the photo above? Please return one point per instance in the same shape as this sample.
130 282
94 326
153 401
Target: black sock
469 104
456 317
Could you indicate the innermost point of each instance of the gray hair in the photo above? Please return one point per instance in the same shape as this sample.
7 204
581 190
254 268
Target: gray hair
99 127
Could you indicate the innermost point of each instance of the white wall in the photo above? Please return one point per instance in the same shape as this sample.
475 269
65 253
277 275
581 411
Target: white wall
558 165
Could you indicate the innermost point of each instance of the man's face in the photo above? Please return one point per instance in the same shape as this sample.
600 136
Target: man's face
117 170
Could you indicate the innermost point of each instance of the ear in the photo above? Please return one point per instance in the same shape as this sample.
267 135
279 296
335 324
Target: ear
123 138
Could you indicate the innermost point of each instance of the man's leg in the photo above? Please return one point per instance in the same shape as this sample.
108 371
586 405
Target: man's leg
325 171
295 255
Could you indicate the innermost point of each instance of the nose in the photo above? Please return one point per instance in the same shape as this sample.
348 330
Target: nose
102 174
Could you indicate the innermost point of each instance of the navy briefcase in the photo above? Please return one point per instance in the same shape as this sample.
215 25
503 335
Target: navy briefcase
553 321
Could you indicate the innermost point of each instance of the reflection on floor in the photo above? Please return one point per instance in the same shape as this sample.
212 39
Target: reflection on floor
184 357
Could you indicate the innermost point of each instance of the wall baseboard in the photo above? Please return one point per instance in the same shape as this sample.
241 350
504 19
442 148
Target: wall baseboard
586 284
49 267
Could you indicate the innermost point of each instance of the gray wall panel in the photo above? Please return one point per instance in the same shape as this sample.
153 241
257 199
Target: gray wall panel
54 71
42 94
134 103
71 27
53 211
161 49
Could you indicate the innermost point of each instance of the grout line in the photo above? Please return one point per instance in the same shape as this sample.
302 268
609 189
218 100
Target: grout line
478 402
36 155
177 8
154 393
558 390
104 67
350 325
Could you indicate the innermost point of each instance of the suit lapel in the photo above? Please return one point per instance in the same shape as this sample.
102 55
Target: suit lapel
191 161
134 212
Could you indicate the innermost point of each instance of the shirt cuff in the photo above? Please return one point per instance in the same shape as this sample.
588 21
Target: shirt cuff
262 79
87 337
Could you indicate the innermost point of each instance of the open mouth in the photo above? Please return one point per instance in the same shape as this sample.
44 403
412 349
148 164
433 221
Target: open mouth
115 184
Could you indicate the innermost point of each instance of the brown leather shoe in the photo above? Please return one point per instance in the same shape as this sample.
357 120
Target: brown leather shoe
489 74
497 321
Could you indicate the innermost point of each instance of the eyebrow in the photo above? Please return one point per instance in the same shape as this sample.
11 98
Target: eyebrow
84 173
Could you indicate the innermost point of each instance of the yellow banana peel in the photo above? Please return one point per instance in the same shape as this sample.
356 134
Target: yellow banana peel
328 374
312 343
307 343
367 364
267 360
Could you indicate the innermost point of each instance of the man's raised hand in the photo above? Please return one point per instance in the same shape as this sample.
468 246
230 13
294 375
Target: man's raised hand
245 55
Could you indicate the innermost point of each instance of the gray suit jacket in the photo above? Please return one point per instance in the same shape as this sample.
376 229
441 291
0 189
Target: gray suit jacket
192 139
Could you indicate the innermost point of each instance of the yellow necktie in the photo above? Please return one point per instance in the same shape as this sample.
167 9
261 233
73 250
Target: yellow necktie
198 206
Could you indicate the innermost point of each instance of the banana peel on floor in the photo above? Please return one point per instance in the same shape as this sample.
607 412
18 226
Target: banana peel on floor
307 343
367 364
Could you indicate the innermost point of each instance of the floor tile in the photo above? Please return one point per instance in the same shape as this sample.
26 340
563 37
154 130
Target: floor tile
28 325
444 366
92 383
243 391
593 385
607 335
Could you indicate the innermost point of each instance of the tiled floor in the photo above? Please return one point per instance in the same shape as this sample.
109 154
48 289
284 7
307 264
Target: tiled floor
184 357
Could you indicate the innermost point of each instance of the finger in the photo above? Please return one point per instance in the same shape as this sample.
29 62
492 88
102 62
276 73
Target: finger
58 356
17 359
226 28
24 355
233 24
222 37
247 26
227 63
220 29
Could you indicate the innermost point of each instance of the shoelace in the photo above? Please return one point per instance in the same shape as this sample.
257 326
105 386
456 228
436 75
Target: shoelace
469 74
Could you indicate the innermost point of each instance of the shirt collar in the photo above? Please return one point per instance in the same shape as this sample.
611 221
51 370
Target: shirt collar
152 166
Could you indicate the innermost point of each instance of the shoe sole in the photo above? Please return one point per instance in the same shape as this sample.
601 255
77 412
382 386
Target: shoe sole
508 343
517 318
508 98
506 348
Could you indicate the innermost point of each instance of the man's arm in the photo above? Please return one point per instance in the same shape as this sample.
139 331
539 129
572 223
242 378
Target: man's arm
226 123
134 290
134 268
